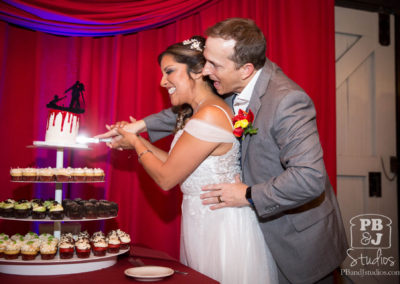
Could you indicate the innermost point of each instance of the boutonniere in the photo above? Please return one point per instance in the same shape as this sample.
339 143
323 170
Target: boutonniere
243 124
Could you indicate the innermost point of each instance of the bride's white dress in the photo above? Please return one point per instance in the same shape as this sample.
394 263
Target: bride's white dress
225 244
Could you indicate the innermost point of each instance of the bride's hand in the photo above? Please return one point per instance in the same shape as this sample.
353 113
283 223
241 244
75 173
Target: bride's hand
124 140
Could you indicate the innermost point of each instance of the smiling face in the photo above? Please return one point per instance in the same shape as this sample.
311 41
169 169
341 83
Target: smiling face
176 80
220 68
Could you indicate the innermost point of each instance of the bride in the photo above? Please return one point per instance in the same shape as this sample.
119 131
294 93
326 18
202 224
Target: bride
227 244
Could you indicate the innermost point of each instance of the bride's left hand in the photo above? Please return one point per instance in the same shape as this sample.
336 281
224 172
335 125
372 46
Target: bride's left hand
230 194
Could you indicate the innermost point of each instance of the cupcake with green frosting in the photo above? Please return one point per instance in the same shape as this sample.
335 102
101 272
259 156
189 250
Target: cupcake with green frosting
38 211
22 209
56 212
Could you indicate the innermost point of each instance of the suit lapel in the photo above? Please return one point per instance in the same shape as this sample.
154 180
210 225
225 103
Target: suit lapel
260 90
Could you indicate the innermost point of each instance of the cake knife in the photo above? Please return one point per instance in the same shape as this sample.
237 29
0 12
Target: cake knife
86 140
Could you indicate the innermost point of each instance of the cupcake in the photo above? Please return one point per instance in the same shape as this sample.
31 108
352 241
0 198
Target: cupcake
104 208
75 210
7 208
78 174
90 211
45 236
99 246
12 249
114 243
29 174
16 237
124 238
66 247
82 247
89 173
4 236
16 174
22 209
98 174
46 174
48 249
3 244
38 211
29 250
31 236
62 175
113 209
56 212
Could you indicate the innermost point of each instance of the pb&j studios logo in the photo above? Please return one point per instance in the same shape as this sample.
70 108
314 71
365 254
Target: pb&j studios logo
370 236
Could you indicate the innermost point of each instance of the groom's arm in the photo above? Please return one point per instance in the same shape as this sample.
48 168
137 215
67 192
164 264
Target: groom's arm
161 124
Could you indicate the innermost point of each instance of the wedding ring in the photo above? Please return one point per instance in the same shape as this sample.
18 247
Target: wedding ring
219 198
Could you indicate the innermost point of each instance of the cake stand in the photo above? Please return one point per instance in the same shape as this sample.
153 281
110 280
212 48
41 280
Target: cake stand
58 266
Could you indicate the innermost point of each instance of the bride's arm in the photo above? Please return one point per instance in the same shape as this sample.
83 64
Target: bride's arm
184 158
159 153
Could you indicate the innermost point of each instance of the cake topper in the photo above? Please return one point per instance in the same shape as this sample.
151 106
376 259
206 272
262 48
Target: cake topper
74 106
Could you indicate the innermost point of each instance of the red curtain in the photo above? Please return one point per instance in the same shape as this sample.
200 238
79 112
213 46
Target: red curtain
121 78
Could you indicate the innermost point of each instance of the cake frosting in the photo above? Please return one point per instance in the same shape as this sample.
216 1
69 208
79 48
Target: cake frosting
62 126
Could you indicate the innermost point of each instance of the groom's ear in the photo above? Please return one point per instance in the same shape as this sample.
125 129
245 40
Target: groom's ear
246 70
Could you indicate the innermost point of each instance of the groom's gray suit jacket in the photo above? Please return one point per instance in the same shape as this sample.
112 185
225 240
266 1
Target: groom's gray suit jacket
283 162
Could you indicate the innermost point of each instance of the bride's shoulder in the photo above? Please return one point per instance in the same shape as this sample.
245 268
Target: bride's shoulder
218 115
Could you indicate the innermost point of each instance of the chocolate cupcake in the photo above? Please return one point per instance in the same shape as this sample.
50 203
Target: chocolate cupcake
39 211
22 209
75 210
113 209
56 212
90 211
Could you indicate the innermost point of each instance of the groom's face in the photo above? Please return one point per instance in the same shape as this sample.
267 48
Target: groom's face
220 68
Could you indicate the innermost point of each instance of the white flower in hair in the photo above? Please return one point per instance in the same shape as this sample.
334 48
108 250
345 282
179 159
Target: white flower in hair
194 44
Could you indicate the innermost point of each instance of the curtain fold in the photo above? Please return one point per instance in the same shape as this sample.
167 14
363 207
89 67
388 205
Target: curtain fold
96 18
121 78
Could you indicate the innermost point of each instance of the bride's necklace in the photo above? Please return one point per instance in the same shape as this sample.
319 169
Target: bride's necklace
199 104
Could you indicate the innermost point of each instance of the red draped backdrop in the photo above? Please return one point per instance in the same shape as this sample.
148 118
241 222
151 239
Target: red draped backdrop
45 46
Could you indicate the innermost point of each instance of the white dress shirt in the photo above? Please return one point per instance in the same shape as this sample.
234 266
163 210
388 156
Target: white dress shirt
242 100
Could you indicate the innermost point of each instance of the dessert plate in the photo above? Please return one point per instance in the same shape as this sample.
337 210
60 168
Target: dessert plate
149 273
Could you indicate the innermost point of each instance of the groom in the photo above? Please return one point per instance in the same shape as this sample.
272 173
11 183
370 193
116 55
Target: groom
284 177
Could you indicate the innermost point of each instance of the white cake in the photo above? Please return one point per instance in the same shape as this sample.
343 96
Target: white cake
62 127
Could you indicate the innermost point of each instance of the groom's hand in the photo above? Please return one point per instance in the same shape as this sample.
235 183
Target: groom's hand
230 194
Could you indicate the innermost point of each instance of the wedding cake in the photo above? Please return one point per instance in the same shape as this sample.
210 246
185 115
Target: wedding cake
63 122
62 126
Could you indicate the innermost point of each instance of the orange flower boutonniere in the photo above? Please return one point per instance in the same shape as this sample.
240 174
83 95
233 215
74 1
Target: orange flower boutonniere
243 124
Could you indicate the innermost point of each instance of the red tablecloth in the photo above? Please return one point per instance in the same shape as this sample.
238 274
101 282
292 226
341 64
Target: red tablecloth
115 273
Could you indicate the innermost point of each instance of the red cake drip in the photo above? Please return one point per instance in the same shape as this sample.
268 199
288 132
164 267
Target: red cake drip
64 115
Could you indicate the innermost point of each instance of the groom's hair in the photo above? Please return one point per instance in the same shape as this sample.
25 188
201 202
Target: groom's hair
250 44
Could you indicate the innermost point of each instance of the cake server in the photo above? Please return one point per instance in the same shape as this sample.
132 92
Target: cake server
86 140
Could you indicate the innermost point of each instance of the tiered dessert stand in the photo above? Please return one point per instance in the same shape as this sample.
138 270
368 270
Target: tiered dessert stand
57 265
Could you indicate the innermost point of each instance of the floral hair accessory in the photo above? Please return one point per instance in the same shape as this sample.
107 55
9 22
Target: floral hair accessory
194 44
243 124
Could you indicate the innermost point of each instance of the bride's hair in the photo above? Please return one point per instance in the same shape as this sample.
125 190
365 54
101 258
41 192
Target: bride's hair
189 52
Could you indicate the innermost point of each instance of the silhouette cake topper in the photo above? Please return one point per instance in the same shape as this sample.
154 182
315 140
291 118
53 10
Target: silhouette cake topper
74 106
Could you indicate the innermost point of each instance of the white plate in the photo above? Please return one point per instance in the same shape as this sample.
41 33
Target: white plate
149 273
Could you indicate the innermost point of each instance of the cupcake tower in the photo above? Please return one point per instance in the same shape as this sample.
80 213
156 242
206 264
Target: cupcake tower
57 174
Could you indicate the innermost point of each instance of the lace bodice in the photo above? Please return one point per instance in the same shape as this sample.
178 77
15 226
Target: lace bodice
214 169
